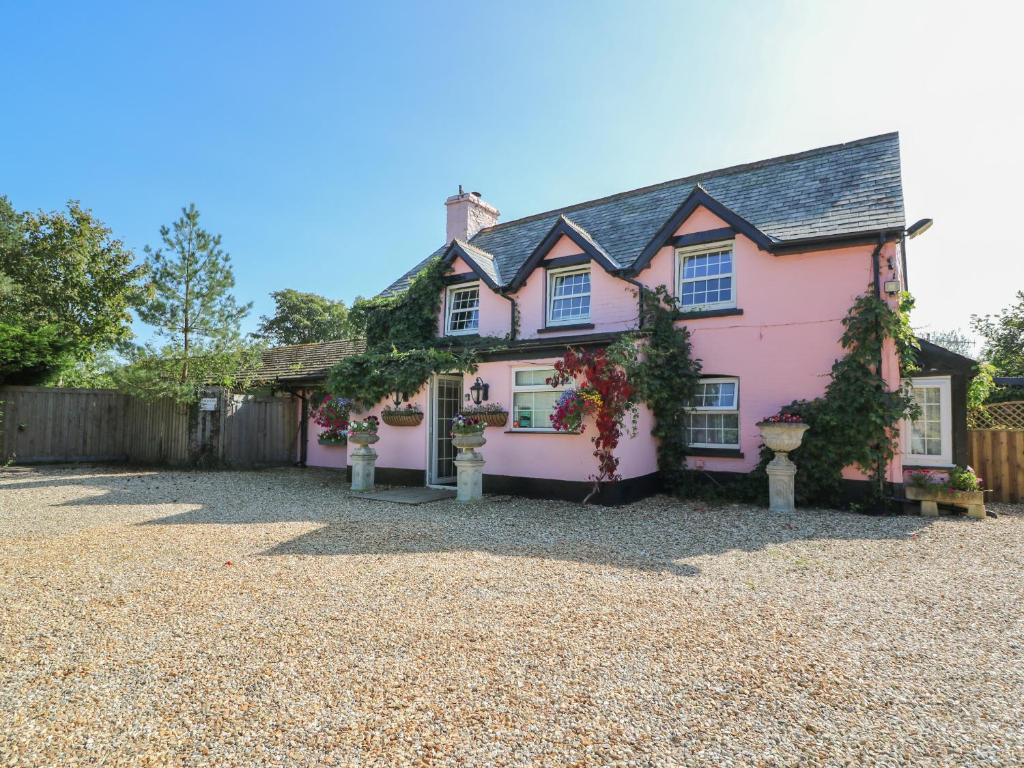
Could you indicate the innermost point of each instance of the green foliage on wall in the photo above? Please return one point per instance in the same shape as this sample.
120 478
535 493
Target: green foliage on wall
402 321
665 376
857 420
371 377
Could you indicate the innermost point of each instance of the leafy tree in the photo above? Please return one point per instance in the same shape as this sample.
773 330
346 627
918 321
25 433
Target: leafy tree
954 340
192 308
1003 336
67 288
303 318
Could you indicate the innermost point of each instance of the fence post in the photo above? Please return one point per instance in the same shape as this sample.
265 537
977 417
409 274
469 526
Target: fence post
205 421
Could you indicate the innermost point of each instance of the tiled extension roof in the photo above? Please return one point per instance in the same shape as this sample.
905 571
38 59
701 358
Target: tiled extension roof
841 190
300 362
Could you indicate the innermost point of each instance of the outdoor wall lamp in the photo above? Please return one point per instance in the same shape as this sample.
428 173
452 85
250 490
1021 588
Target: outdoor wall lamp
919 228
479 390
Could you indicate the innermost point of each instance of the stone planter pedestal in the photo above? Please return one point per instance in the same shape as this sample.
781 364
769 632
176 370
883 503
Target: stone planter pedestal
364 459
470 467
782 438
972 501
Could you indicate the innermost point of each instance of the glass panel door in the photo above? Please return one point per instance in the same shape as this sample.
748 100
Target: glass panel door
447 403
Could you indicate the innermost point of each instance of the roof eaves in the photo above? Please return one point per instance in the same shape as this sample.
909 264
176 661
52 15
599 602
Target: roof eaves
478 261
567 228
697 198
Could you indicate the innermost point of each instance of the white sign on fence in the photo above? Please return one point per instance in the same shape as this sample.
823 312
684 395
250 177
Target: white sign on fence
208 404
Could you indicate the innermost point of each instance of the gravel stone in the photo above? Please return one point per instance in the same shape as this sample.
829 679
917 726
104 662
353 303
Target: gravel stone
160 618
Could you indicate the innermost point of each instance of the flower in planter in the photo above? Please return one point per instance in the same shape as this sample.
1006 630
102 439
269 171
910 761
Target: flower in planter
783 418
572 406
369 424
331 414
407 408
964 479
479 410
467 425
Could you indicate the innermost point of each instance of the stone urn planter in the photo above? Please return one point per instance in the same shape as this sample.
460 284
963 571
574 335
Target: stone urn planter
782 437
931 496
469 467
402 418
468 443
364 459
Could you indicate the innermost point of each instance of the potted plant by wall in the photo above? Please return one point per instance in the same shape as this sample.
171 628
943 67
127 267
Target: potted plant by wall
331 414
491 414
408 415
467 433
364 432
783 432
959 487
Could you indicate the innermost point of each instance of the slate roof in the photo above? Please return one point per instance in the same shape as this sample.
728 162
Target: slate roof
836 191
483 260
301 362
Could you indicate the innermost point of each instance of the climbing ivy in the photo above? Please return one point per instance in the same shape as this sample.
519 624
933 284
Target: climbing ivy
405 320
371 377
857 420
665 376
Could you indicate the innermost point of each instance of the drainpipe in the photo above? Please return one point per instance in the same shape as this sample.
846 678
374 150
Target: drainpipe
640 298
512 316
303 427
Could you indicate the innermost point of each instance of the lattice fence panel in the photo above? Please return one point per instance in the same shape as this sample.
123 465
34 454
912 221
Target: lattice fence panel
1009 415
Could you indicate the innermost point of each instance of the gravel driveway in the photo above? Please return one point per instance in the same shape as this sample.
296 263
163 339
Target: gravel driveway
267 618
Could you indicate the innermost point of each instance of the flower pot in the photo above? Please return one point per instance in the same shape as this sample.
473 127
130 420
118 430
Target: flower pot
494 418
363 439
402 418
466 443
782 437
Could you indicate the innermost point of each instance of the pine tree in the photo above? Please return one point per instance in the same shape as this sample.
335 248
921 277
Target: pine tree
191 303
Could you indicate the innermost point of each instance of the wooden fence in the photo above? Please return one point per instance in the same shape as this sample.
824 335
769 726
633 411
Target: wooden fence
259 431
997 455
48 424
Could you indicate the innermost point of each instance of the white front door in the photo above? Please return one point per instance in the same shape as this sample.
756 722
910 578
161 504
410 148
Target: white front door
446 402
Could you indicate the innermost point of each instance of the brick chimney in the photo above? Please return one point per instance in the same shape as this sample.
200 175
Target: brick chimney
468 213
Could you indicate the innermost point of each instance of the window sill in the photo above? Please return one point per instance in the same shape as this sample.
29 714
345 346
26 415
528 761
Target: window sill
538 432
567 327
696 314
715 453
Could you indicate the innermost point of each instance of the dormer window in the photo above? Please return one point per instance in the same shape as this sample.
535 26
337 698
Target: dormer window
568 296
707 278
463 314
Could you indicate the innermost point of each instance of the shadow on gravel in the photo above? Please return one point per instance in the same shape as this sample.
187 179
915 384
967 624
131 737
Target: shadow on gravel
654 535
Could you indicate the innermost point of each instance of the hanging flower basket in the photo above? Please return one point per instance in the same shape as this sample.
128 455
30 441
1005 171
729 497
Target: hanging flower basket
405 417
491 414
332 440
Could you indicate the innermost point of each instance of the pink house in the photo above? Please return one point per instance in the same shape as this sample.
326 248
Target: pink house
765 259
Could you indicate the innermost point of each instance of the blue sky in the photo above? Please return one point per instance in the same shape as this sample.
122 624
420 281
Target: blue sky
321 139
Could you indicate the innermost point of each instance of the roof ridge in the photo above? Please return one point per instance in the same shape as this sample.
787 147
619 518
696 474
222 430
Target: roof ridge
726 171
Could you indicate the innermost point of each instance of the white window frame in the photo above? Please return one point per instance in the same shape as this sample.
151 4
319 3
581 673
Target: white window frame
530 388
944 459
717 409
552 275
449 295
700 250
